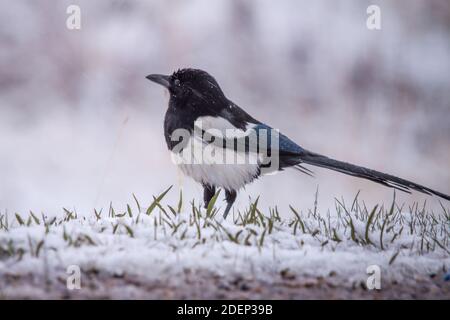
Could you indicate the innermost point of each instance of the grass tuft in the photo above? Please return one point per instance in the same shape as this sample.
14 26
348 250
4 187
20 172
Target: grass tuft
381 228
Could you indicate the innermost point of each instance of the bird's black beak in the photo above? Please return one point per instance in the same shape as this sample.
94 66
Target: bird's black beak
160 79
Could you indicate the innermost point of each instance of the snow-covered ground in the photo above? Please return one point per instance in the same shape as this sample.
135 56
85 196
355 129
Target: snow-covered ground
167 244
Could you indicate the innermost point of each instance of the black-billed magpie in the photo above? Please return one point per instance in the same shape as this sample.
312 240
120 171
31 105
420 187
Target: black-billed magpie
220 145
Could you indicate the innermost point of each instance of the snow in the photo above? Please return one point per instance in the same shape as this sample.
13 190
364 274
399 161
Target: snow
135 246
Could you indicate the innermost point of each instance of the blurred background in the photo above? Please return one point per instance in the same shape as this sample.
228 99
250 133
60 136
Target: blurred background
81 127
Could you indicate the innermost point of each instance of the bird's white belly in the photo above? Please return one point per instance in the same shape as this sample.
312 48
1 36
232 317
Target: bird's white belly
209 164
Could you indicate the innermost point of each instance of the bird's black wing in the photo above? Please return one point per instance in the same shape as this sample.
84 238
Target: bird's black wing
237 116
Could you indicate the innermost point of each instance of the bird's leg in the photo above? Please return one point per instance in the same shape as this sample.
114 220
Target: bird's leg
230 197
208 193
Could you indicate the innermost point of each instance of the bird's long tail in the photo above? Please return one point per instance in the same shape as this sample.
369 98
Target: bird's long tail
361 172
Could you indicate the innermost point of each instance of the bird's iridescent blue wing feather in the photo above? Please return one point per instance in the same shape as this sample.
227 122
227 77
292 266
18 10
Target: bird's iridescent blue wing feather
285 145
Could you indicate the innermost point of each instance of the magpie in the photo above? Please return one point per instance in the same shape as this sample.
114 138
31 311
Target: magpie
196 128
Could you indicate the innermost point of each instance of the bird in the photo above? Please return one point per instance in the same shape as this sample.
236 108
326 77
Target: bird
202 127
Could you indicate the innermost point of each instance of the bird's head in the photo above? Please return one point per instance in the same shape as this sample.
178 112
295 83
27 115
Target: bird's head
192 85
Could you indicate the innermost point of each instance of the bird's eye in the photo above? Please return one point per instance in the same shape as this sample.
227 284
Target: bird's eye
177 82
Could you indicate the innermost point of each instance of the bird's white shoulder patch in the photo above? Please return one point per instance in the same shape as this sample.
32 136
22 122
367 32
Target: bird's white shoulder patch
210 123
217 166
213 164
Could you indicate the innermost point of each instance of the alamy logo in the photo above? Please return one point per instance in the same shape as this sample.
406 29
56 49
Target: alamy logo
73 281
73 21
374 279
373 21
